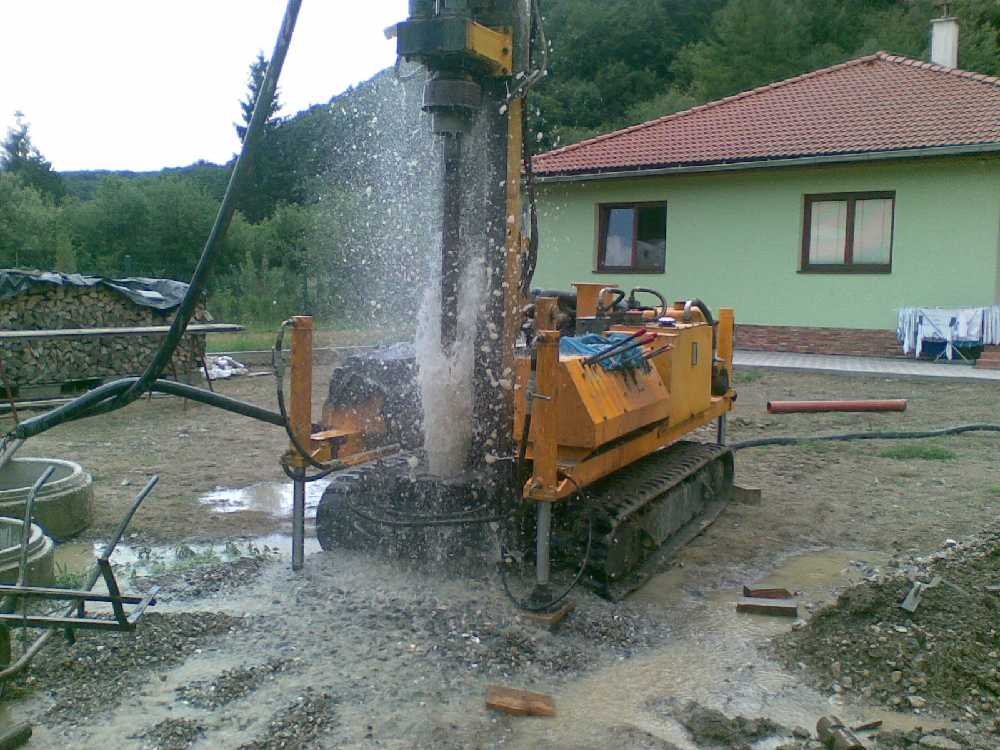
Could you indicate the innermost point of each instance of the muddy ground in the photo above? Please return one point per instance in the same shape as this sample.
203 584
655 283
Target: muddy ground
367 653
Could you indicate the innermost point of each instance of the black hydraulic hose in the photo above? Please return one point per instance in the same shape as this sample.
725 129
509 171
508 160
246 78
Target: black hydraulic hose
67 412
226 209
120 393
891 435
279 377
546 606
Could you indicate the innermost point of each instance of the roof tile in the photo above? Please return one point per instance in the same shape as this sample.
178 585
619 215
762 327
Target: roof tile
880 102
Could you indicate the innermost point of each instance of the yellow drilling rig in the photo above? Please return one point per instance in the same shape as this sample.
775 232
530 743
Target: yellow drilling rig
581 399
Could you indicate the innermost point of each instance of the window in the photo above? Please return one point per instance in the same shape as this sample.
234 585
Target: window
632 238
848 233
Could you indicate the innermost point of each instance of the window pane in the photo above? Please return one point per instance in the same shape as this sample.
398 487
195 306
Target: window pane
651 243
618 242
827 232
872 230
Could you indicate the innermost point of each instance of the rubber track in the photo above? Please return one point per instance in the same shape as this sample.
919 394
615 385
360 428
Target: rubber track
627 503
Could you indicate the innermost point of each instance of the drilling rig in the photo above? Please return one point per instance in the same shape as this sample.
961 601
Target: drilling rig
581 400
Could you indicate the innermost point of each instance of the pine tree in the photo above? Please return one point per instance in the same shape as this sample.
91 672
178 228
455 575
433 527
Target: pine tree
20 157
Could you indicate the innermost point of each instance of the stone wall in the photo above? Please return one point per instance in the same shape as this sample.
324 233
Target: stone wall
58 360
802 340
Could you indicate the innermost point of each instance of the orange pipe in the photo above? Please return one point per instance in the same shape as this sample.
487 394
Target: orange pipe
798 407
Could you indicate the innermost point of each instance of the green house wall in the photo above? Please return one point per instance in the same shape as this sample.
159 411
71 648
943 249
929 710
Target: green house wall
734 239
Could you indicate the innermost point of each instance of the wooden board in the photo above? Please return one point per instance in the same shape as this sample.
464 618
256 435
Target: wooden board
766 593
780 607
62 333
519 702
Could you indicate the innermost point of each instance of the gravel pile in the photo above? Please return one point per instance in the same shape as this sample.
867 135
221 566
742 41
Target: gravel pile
204 580
298 725
171 734
942 658
103 667
231 685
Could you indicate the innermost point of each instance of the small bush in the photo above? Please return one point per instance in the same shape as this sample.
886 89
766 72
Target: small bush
909 451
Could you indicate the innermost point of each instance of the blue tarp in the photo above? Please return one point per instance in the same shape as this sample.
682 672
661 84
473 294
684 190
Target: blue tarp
161 294
592 344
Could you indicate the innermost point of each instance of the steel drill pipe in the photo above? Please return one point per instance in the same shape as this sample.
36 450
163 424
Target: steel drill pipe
803 407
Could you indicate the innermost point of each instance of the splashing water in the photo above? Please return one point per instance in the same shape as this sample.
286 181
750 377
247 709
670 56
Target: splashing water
446 379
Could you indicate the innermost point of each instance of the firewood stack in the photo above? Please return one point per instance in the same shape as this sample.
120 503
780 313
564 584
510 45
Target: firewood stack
59 360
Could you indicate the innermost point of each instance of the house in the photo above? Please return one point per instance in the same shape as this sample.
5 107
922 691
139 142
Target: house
816 206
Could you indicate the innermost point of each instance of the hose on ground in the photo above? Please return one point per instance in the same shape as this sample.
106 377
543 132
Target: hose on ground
845 436
585 560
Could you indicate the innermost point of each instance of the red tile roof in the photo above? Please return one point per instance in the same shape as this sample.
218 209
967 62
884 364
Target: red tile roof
877 103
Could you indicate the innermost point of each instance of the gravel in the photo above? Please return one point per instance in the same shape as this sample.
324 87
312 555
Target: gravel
231 685
941 659
297 725
171 734
102 668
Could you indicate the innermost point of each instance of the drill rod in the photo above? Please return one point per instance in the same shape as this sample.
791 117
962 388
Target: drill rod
451 238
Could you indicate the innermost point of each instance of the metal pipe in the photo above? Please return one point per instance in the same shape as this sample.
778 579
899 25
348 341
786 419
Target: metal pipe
801 407
29 506
542 537
298 520
19 666
720 433
451 240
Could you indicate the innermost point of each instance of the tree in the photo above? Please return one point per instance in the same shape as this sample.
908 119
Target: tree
19 156
753 42
32 230
255 81
272 176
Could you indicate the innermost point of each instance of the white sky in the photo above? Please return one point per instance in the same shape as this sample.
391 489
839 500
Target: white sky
145 84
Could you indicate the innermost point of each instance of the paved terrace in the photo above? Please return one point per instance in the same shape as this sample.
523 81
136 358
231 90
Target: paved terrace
862 365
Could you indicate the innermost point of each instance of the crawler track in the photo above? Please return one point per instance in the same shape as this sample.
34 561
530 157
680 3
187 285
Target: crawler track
646 512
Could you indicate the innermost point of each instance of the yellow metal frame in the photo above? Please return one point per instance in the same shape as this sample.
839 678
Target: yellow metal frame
496 46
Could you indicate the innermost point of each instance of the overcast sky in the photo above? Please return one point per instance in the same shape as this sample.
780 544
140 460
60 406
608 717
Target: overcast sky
145 84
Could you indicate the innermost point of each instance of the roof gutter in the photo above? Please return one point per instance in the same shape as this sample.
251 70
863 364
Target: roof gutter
909 153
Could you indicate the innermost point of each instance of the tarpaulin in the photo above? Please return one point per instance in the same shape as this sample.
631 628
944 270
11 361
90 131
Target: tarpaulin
592 344
161 294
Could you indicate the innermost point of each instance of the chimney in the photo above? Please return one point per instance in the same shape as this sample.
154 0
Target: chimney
944 40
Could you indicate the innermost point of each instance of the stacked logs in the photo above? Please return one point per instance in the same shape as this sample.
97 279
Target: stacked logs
60 360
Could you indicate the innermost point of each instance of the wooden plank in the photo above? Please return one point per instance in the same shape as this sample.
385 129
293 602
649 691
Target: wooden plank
766 593
519 702
550 619
780 607
62 333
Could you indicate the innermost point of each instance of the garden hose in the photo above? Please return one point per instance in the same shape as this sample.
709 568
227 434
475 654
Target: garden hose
892 435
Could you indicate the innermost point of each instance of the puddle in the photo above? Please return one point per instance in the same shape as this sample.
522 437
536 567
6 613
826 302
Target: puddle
716 658
142 560
273 498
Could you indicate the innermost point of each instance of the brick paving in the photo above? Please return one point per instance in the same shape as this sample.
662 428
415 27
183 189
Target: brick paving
861 365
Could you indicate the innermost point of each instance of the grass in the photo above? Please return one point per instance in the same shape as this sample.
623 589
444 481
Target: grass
993 491
748 376
918 451
260 338
69 579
